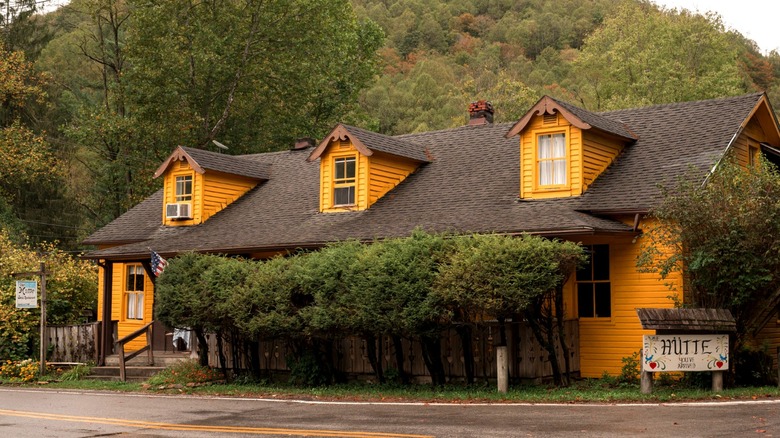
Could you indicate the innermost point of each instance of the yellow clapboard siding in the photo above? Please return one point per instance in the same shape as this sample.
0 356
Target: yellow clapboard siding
375 175
387 172
599 153
222 189
211 192
605 341
119 309
182 168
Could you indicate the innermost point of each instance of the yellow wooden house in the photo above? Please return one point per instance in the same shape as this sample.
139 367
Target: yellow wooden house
560 171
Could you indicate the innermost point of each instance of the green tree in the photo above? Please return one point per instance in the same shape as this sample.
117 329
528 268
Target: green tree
329 276
507 277
396 282
184 300
253 74
644 56
726 235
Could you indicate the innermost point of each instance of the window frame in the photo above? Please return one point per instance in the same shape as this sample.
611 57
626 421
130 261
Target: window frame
537 177
594 284
134 292
346 182
183 196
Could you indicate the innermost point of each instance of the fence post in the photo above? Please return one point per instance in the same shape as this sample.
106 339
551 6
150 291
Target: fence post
646 378
502 369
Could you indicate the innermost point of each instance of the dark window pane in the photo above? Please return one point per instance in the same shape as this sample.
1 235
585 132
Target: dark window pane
585 300
340 168
585 272
344 195
603 300
139 280
350 168
130 279
600 257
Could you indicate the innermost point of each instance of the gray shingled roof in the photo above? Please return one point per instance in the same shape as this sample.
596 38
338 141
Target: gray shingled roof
673 139
470 185
391 145
611 125
231 164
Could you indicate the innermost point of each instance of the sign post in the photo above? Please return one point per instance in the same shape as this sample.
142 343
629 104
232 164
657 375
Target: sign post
24 292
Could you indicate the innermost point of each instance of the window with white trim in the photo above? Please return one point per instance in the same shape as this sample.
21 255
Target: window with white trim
551 159
134 291
184 188
344 181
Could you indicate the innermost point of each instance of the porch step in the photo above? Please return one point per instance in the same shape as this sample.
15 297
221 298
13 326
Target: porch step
161 359
138 369
133 373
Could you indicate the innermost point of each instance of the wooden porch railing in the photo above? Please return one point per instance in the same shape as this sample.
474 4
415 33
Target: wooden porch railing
120 348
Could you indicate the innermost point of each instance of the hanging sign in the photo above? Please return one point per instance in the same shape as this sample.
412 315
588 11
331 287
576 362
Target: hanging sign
685 353
26 294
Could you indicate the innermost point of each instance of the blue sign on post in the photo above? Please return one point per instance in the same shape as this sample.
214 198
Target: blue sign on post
26 294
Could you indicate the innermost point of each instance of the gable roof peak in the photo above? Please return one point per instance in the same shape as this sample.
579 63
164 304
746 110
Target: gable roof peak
201 161
367 142
577 116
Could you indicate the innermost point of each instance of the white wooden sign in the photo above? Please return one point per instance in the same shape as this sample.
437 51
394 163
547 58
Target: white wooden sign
685 353
26 294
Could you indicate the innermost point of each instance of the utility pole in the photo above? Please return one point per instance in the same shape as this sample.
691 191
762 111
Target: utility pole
44 339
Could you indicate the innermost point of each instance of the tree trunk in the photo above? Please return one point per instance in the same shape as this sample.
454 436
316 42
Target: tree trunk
373 358
254 357
546 343
203 347
561 329
464 332
431 351
221 355
398 346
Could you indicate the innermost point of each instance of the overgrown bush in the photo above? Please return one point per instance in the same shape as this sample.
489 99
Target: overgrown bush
753 367
307 370
184 372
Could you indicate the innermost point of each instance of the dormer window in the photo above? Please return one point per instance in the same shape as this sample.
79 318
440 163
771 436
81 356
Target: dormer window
184 188
551 159
344 181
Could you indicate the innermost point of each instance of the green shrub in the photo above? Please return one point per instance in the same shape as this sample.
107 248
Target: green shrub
184 372
78 372
629 373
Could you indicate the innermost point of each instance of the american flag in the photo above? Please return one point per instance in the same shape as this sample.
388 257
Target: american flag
158 264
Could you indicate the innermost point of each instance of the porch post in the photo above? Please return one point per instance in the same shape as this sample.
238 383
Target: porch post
105 327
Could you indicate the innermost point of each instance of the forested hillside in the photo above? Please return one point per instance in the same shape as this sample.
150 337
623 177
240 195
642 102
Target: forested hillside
94 95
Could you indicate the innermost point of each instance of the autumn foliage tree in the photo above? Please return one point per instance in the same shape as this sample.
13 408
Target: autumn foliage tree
70 289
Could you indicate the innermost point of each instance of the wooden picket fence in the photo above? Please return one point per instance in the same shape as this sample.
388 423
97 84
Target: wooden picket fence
527 359
73 343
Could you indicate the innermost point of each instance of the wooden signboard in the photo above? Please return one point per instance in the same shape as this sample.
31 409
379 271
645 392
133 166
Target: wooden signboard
685 353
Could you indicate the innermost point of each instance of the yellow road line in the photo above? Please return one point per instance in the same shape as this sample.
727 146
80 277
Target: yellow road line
194 427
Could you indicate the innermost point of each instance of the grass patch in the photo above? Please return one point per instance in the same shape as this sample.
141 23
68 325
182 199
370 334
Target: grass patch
190 378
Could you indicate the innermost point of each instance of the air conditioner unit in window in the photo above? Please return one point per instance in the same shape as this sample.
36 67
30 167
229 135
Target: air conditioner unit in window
179 210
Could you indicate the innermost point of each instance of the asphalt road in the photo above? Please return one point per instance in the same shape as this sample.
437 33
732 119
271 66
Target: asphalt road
48 413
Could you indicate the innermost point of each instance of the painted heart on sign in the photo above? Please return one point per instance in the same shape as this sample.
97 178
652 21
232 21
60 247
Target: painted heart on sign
653 365
719 364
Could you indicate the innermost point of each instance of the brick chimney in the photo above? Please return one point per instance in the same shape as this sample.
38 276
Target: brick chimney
480 113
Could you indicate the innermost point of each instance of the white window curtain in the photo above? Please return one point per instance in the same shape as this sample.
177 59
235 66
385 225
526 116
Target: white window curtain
552 159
